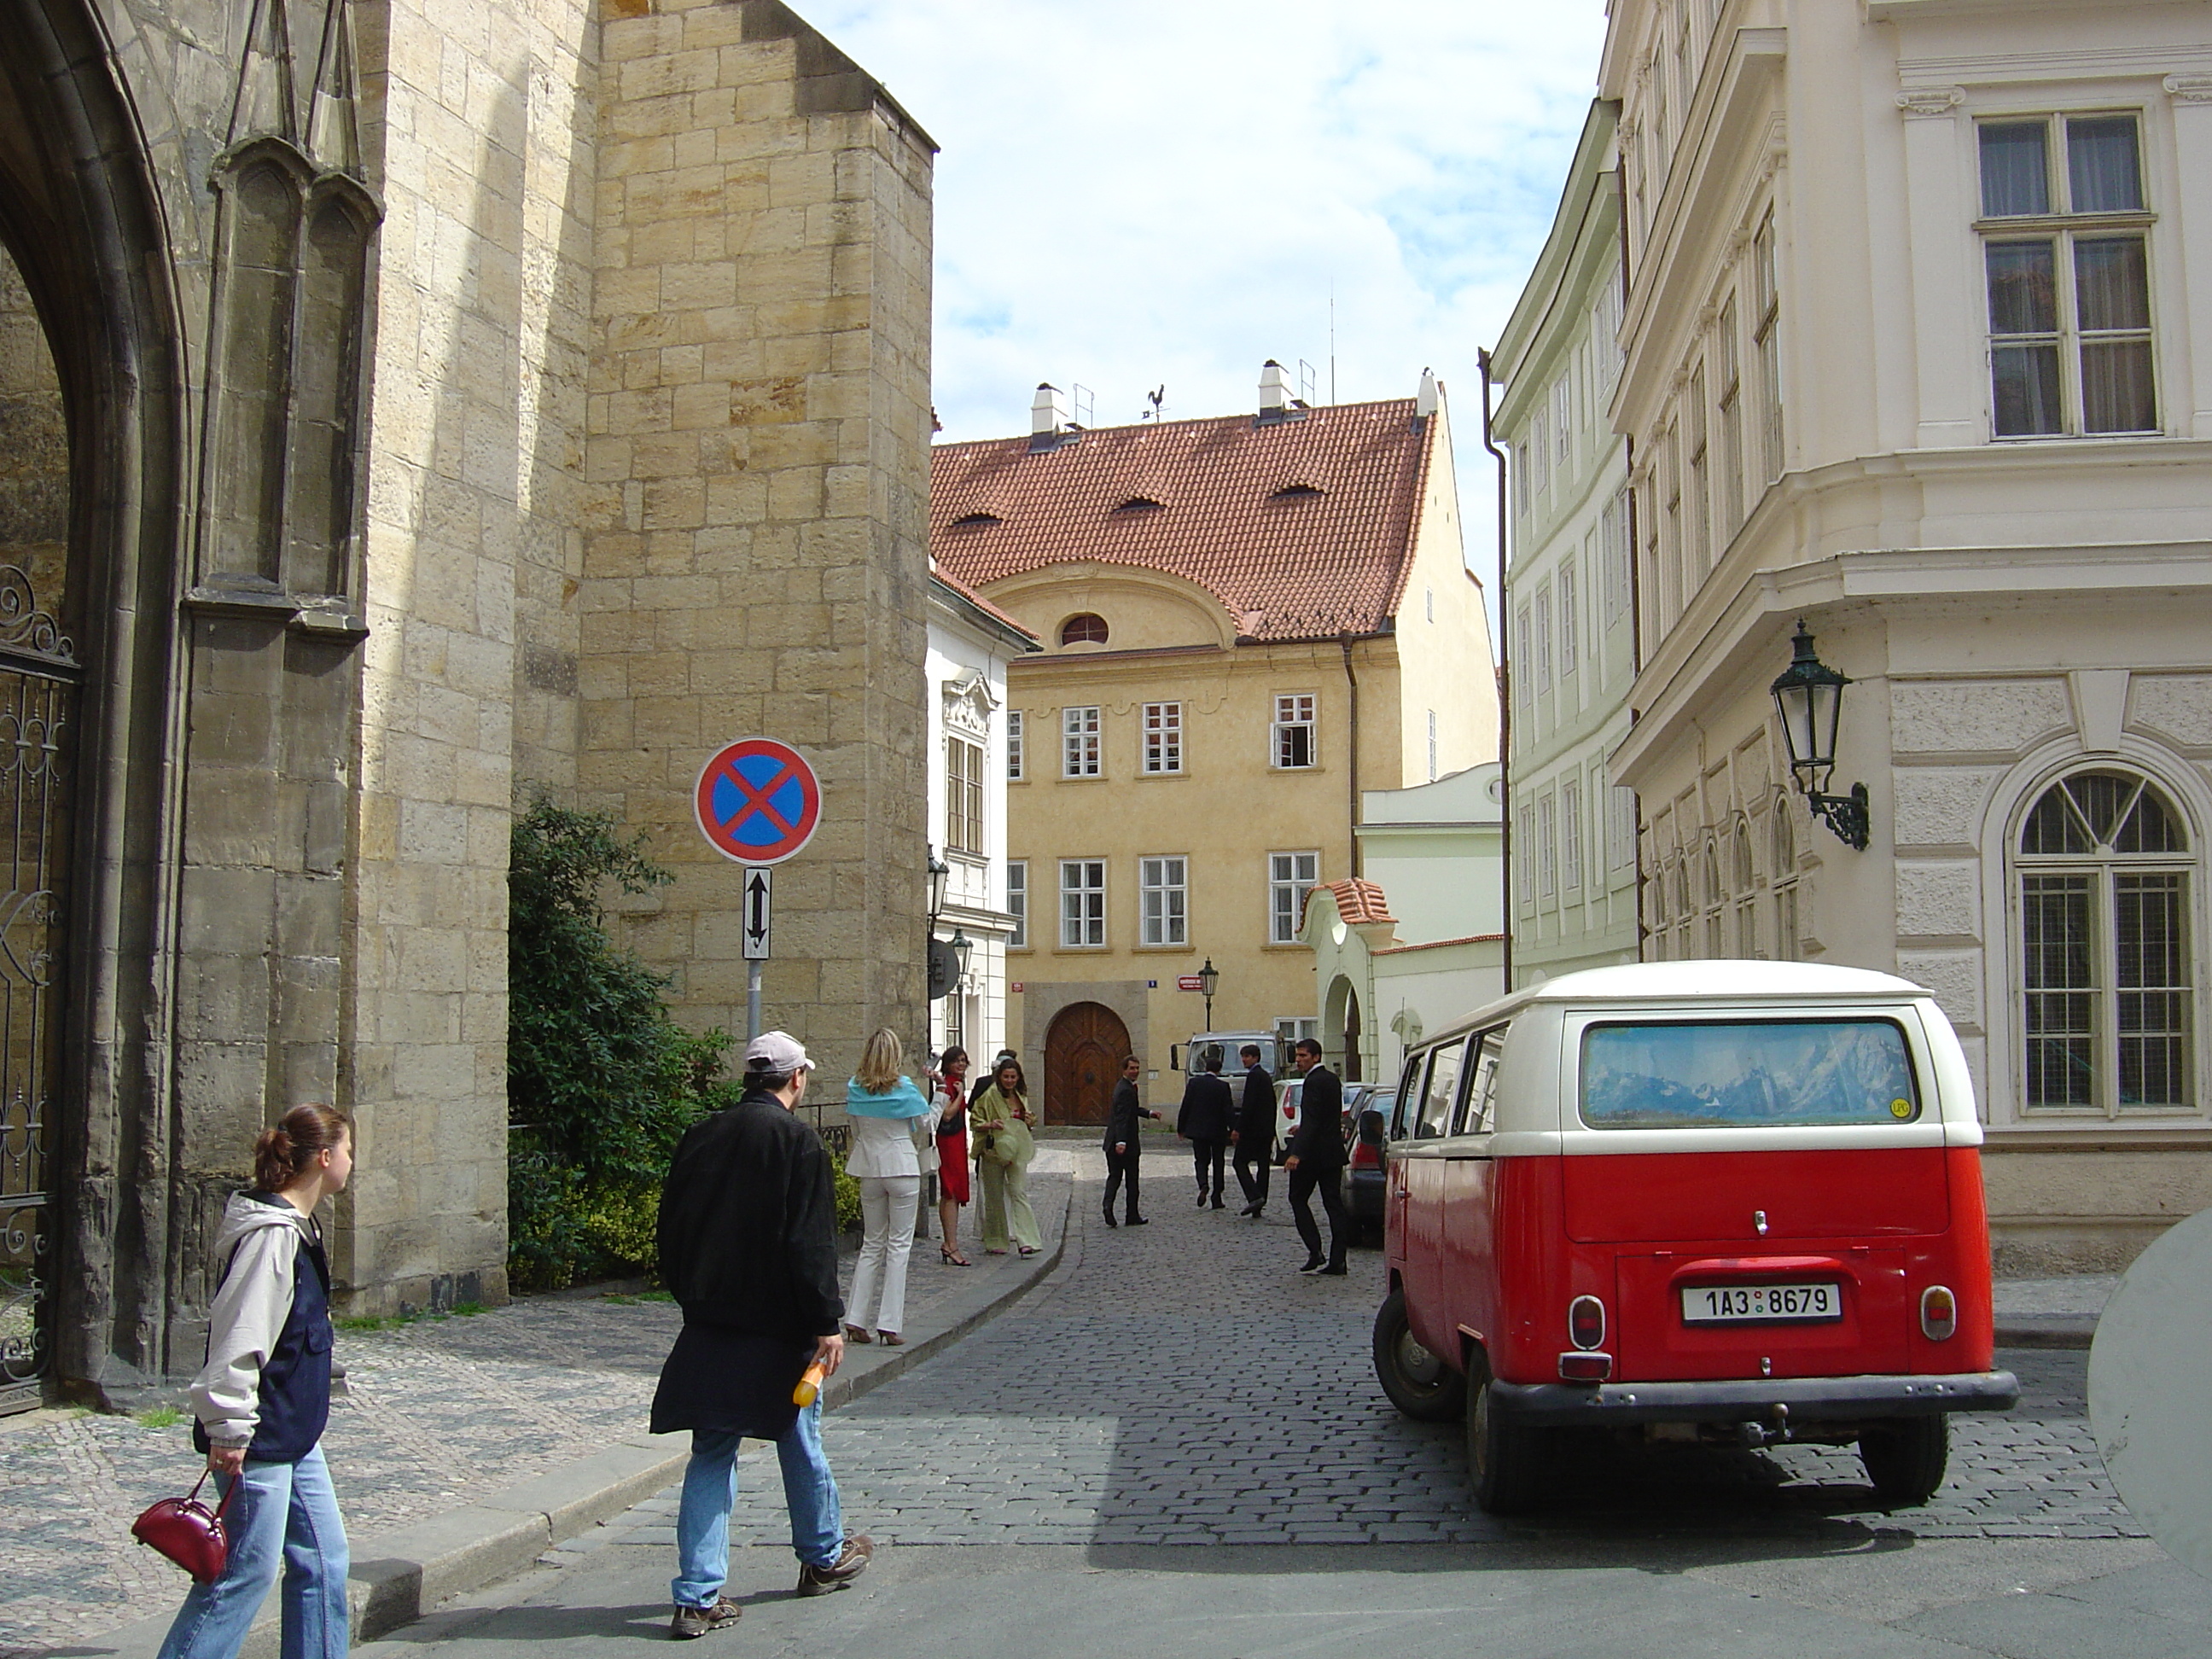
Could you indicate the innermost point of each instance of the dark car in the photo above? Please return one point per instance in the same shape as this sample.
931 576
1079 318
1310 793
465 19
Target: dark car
1370 1126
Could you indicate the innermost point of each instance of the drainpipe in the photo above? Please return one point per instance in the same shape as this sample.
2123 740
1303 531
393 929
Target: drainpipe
1351 814
1504 685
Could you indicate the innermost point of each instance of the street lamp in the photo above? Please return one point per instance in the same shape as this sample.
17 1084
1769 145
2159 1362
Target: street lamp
1809 696
1208 978
940 872
964 948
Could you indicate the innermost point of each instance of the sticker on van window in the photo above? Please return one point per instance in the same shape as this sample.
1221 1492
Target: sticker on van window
1746 1074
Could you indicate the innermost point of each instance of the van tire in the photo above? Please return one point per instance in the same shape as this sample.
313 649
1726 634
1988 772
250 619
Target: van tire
1505 1462
1419 1384
1905 1459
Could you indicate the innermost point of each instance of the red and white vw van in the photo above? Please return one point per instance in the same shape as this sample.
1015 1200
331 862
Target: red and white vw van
1735 1200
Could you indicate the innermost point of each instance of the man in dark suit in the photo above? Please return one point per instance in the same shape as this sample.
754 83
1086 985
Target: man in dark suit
1208 1116
1123 1144
1316 1156
1253 1137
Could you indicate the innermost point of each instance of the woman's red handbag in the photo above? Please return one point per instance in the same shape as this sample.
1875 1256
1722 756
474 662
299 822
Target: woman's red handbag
188 1532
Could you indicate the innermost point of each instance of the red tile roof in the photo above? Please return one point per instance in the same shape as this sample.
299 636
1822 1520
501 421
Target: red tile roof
981 604
1358 901
1301 528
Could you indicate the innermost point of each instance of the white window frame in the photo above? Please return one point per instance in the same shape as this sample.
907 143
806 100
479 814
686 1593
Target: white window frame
1432 745
1570 838
1290 877
1082 748
1543 664
1570 624
1164 899
1017 902
1161 724
1524 865
1083 905
1548 846
1017 747
1295 711
963 794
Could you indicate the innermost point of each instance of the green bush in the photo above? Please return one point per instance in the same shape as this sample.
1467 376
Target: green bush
848 1192
601 1080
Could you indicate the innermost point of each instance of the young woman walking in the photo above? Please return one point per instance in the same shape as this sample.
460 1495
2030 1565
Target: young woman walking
884 1108
263 1399
1003 1120
949 1112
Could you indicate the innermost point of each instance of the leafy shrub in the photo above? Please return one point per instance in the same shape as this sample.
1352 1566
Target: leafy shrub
601 1080
848 1192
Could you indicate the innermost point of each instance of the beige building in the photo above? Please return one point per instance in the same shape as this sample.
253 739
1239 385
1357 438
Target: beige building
403 408
1914 356
1248 620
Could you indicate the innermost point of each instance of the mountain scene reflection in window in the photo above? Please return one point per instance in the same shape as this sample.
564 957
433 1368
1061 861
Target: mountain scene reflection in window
1742 1074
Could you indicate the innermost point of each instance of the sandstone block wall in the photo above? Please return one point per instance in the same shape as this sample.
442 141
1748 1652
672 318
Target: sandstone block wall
755 560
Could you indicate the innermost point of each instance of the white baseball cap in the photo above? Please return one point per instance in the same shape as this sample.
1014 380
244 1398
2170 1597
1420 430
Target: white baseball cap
777 1051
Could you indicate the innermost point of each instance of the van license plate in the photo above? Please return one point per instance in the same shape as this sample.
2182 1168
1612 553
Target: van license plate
1760 1305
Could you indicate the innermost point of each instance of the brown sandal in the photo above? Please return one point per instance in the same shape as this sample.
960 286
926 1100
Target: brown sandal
854 1333
891 1338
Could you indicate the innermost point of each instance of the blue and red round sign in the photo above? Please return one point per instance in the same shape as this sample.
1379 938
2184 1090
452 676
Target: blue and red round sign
758 801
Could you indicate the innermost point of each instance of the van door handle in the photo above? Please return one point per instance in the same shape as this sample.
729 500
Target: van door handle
1759 1220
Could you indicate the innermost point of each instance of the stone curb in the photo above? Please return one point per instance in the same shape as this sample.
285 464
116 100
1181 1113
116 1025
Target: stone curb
2047 1331
400 1576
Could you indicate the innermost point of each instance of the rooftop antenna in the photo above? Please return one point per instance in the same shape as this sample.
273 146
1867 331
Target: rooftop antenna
1306 378
1331 340
1084 404
1154 397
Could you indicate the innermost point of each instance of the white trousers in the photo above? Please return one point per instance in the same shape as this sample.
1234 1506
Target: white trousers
888 1204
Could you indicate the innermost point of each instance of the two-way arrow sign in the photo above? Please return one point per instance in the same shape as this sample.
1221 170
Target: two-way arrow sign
758 878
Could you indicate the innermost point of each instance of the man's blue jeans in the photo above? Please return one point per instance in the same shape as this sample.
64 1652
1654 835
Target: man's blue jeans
283 1514
710 1487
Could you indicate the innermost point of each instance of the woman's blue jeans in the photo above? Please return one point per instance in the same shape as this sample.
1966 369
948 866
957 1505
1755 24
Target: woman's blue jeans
710 1488
282 1514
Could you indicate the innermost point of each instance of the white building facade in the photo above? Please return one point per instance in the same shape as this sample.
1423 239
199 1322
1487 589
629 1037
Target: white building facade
1912 355
970 642
1569 585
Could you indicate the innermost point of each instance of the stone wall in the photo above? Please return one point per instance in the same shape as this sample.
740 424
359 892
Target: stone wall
755 553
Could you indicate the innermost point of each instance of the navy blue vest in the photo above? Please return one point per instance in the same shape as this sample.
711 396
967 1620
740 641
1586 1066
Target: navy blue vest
295 1382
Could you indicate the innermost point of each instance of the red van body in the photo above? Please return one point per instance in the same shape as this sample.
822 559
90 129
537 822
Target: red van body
1672 1199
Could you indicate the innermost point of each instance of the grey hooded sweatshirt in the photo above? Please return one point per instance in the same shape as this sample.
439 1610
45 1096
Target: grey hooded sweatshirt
261 1237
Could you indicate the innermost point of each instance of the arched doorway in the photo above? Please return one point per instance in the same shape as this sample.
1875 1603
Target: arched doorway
1083 1055
1353 1071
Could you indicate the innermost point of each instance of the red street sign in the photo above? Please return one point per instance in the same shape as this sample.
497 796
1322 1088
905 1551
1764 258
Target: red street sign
1016 987
758 801
1189 983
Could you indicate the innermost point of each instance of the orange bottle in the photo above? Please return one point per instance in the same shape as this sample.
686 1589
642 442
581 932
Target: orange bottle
810 1385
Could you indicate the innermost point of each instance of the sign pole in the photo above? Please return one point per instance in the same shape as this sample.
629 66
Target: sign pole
752 999
758 915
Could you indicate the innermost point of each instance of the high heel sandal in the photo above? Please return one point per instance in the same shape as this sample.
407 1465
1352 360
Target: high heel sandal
854 1333
953 1258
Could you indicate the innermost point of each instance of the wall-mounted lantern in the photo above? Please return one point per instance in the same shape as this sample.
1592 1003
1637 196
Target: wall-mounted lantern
1809 696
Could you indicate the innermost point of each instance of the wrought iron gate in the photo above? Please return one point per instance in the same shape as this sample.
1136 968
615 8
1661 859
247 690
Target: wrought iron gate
39 678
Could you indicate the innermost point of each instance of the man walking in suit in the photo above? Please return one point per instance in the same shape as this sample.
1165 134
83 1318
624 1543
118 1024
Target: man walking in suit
1209 1112
1123 1145
1316 1156
1253 1137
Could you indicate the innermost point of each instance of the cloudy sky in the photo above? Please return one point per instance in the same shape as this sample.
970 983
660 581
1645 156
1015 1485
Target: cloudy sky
1133 193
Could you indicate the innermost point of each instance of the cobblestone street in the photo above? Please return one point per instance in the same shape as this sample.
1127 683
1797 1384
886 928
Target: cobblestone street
1182 1384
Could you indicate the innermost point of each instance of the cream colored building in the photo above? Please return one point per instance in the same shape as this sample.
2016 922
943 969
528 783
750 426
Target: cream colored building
1248 622
1916 353
1570 587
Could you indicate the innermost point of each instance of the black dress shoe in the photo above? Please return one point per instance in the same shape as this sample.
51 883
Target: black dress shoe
1217 1204
1109 1220
1140 1221
1249 1209
1334 1270
1202 1199
1314 1264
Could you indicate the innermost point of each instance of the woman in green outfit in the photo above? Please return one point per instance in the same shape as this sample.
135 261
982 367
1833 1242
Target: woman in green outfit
1000 1119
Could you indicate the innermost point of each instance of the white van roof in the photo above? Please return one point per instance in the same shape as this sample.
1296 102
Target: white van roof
1678 982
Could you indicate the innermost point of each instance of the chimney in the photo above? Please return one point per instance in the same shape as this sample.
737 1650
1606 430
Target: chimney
1047 411
1275 395
1424 401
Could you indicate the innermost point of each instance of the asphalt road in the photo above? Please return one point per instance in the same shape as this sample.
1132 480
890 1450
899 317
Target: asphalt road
1177 1445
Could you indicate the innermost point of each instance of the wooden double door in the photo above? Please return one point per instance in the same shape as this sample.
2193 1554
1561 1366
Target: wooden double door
1083 1050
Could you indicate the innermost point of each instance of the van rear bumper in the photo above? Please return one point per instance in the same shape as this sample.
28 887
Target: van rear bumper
1810 1400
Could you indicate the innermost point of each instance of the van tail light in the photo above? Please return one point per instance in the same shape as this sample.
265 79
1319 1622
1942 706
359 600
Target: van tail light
1939 1313
1586 1322
1366 1155
1584 1367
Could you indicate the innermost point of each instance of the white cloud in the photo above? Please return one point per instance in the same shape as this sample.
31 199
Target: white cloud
1138 193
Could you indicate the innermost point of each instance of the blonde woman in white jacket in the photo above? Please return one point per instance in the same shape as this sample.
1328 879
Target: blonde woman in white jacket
262 1401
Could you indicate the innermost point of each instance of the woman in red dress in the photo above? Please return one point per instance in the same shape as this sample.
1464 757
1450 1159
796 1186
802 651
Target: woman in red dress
949 1095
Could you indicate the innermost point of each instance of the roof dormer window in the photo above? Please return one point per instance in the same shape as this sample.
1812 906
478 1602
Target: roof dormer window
977 521
1296 492
1139 504
1087 628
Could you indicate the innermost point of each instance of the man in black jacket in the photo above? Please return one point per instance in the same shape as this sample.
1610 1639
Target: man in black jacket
1316 1156
1205 1122
1123 1142
1253 1137
748 1242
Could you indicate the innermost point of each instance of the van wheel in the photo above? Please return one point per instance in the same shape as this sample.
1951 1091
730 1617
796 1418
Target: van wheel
1506 1462
1419 1383
1905 1459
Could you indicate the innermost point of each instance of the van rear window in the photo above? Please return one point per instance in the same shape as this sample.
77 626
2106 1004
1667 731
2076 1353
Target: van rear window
1746 1074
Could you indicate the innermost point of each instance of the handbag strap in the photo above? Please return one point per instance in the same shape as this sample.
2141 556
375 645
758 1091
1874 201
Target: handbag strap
229 1492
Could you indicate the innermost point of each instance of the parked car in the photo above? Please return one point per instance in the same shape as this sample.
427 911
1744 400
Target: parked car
1723 1200
1291 1092
1367 1136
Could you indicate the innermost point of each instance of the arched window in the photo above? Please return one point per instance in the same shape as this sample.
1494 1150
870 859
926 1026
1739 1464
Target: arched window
1783 831
1656 891
1715 895
1085 629
2103 866
1685 908
1747 900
